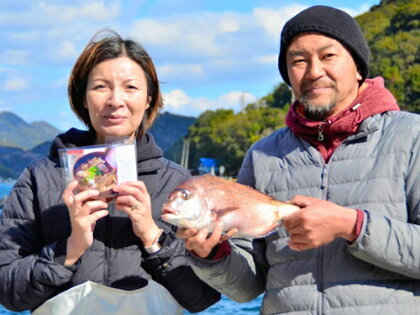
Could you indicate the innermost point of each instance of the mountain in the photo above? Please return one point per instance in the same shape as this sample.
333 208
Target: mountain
170 128
13 160
392 30
15 132
21 142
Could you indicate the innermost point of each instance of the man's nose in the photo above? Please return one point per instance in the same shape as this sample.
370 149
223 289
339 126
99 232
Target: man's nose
315 69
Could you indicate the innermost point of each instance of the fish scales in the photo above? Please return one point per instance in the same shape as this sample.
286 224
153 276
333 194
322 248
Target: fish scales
201 201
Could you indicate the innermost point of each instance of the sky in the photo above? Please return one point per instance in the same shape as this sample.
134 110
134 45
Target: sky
209 54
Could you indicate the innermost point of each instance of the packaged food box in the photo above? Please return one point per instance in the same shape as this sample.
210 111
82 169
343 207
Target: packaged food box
100 167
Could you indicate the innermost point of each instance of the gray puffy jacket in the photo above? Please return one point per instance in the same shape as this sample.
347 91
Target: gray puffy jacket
376 170
35 224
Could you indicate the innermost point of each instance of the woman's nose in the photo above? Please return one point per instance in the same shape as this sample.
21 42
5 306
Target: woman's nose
116 98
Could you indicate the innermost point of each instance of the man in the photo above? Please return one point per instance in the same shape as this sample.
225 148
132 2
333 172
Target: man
351 160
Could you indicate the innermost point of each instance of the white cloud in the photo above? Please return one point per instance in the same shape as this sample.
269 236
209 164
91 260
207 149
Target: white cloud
178 101
272 20
66 50
195 33
96 10
67 119
198 52
24 36
55 13
184 70
269 59
14 57
61 82
15 84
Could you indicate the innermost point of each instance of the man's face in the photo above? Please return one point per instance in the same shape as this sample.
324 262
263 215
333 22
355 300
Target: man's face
322 73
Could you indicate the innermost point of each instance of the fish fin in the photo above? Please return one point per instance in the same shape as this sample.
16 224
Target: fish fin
224 211
271 231
213 215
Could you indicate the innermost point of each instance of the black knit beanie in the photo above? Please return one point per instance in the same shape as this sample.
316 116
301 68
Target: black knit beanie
333 23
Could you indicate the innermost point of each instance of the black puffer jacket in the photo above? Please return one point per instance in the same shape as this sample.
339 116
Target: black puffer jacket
35 224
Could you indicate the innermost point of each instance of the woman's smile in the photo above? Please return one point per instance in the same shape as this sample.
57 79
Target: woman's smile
114 119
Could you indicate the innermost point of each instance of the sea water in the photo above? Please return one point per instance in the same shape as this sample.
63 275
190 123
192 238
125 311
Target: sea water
225 306
5 189
228 307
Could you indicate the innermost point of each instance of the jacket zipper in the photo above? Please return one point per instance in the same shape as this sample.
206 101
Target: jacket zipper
108 231
321 252
320 134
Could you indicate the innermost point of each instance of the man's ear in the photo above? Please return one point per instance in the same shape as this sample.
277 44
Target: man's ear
358 75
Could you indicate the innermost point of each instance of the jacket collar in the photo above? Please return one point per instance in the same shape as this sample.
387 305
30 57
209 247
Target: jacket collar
327 135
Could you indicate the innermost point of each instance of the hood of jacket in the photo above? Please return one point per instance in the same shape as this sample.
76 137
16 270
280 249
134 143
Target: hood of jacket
327 135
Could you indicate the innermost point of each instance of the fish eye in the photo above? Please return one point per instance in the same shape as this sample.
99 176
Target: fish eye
185 194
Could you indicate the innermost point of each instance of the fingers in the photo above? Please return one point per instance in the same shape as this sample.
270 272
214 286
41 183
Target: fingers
130 203
68 194
185 233
297 246
99 214
301 201
200 242
132 196
216 236
135 188
228 235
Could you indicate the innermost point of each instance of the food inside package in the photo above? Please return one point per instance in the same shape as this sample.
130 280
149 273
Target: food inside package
100 167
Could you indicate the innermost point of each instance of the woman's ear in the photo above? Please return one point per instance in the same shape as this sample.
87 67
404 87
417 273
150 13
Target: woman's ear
149 99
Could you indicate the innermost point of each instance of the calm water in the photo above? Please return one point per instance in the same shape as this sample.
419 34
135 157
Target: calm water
225 306
5 189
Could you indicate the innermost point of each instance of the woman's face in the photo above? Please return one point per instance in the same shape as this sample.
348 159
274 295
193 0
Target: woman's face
116 98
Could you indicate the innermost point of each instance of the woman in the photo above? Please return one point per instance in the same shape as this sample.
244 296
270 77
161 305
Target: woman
53 237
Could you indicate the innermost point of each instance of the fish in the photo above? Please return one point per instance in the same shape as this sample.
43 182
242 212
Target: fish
201 201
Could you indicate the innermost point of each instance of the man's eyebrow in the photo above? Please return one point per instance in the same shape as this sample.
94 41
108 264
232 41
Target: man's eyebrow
294 53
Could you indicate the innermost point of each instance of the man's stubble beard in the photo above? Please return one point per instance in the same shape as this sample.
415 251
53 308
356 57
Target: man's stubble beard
317 112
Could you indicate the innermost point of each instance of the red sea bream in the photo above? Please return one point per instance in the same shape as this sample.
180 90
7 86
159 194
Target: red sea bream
201 201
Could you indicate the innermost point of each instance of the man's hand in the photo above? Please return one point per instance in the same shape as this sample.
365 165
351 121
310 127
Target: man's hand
319 222
200 242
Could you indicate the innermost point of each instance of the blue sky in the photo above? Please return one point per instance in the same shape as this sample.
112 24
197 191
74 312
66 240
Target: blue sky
208 53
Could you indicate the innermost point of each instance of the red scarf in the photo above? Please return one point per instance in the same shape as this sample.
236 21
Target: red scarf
372 100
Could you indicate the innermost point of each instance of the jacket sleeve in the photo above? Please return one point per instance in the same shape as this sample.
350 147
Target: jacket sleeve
389 243
169 265
241 275
29 273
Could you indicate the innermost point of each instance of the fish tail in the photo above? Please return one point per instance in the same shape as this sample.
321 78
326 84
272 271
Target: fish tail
285 209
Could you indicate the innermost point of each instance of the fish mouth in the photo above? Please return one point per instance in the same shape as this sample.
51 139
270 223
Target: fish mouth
170 211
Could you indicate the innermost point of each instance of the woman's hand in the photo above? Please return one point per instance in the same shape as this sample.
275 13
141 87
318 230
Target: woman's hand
134 200
85 208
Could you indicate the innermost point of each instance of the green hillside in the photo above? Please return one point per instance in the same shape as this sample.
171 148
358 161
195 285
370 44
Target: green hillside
392 30
393 35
